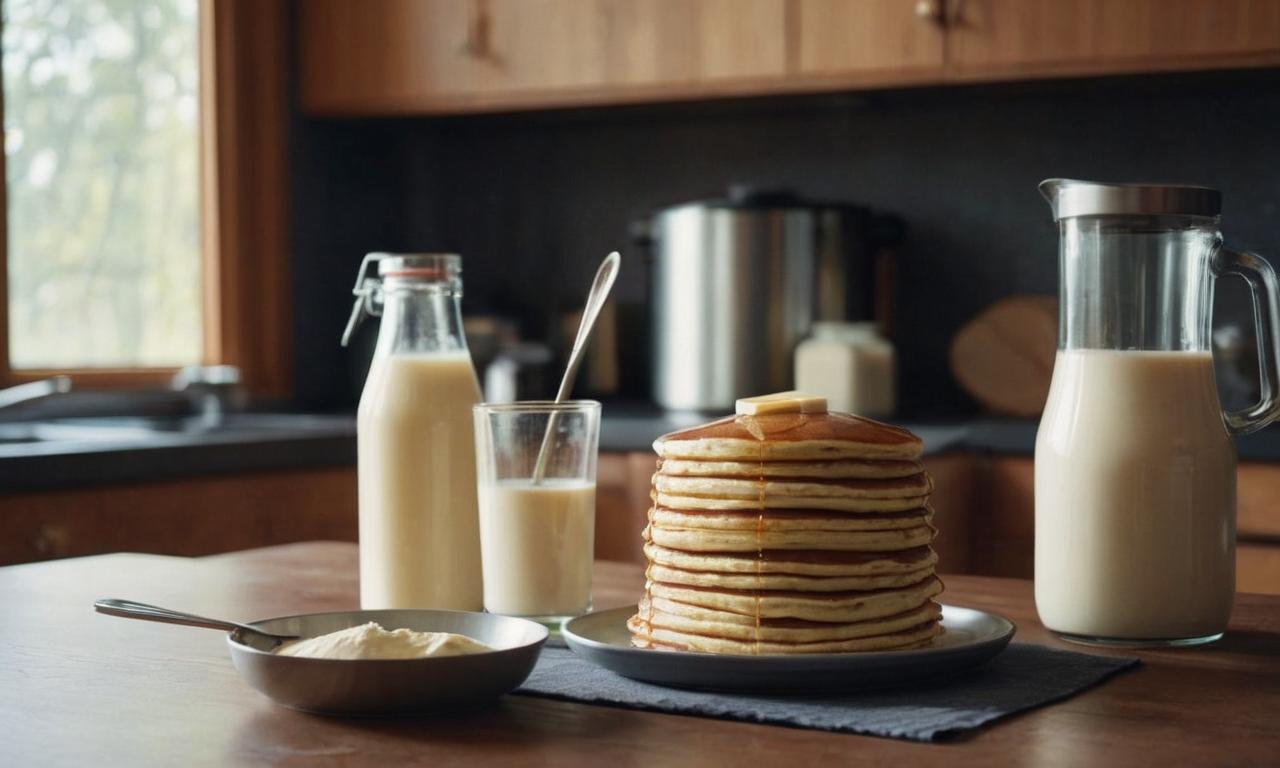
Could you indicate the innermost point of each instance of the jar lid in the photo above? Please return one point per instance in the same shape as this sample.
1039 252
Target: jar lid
1070 198
422 266
831 330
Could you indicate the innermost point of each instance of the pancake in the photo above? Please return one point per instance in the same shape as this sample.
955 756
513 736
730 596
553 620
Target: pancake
900 504
783 581
787 520
913 486
790 436
698 540
813 563
858 605
787 529
851 468
659 638
668 614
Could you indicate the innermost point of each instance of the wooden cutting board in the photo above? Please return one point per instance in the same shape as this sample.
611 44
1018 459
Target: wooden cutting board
1004 356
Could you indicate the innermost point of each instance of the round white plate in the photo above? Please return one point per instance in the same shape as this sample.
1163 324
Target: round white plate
970 637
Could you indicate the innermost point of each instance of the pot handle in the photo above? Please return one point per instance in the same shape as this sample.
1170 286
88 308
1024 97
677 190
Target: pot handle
1266 318
641 231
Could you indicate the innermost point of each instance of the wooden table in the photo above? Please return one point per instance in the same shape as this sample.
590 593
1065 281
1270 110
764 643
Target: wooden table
77 688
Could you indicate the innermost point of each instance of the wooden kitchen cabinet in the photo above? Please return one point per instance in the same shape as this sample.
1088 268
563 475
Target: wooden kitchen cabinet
426 56
192 517
1004 522
622 503
454 56
876 39
988 38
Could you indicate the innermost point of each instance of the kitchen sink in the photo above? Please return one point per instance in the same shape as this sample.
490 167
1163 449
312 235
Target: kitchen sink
142 429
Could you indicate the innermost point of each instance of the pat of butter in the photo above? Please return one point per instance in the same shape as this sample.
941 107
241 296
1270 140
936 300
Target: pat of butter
780 402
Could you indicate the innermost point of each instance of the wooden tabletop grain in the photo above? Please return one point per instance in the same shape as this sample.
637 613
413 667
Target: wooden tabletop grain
78 688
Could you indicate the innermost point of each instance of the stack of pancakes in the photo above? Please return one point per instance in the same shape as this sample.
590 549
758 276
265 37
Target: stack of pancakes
789 533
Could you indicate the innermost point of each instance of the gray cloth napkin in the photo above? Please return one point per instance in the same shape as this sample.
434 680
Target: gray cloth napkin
1024 676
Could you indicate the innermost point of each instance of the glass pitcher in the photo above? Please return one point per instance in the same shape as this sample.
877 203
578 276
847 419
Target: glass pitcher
1135 467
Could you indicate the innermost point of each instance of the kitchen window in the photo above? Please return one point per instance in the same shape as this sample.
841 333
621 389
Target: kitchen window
144 184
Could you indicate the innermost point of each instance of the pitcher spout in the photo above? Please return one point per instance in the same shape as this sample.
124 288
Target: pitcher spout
1050 188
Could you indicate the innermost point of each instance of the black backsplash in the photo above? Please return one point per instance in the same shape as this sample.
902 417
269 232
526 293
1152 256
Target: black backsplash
533 201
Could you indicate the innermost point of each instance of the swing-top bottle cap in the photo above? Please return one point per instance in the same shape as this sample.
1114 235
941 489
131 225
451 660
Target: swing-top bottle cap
423 266
405 270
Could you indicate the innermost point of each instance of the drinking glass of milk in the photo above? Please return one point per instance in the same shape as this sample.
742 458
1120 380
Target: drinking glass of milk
1135 467
536 480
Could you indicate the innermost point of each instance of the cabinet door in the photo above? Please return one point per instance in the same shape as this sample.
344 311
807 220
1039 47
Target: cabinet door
622 504
690 42
878 38
455 55
1108 35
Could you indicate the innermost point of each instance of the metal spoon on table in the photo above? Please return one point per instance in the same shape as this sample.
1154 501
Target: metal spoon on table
600 288
133 610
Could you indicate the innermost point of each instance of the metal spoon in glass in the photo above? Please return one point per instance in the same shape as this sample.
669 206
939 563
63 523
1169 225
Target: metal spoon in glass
132 610
600 287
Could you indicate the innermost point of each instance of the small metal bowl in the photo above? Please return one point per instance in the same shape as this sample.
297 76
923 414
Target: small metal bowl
390 686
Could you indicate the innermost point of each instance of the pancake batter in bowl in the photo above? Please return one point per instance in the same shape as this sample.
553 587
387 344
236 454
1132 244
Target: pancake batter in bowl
371 641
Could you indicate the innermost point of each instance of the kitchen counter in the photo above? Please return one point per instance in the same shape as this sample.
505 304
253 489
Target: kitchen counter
265 442
77 688
116 452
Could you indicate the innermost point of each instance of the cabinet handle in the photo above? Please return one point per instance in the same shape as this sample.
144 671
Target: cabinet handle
931 10
477 42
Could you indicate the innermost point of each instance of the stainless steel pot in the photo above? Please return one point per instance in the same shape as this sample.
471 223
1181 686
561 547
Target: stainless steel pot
736 283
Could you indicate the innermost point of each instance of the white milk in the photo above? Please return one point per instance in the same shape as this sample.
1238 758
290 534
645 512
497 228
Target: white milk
538 543
1135 497
419 529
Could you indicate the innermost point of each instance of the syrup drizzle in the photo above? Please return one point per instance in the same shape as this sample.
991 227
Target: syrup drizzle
648 565
759 544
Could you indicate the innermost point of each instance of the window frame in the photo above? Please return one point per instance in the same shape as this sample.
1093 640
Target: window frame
243 178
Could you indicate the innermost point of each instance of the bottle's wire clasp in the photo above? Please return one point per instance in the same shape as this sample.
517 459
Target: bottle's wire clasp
368 293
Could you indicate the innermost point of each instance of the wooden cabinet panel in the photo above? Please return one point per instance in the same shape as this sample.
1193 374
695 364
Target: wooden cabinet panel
622 504
455 55
954 501
674 42
1004 522
842 37
1258 500
1258 569
1039 36
197 516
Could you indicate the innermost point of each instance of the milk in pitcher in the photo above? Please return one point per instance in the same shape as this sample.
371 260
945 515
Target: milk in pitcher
1135 489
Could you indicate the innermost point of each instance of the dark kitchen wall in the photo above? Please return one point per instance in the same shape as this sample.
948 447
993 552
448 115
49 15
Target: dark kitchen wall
534 200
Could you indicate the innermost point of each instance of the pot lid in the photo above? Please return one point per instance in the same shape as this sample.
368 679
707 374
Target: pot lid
751 197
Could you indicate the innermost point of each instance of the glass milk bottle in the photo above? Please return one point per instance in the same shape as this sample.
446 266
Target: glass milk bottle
419 521
1135 467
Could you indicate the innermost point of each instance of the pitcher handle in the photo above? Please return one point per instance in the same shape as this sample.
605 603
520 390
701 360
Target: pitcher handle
1266 319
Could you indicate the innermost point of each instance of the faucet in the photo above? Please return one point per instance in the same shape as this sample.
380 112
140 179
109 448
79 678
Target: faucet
22 393
213 389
